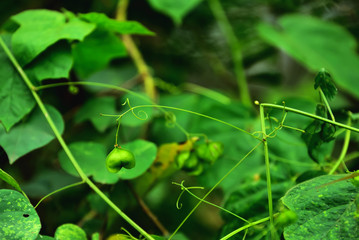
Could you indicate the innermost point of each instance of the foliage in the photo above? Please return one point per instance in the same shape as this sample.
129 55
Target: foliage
104 134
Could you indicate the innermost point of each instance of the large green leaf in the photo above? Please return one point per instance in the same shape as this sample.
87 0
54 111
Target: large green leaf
55 62
18 218
96 51
39 29
324 211
145 153
70 231
317 44
16 99
177 10
123 27
91 158
91 111
33 133
10 180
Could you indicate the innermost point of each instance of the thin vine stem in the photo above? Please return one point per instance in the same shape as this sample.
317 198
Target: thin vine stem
183 188
214 187
231 234
59 190
64 145
266 159
270 105
183 110
326 103
344 150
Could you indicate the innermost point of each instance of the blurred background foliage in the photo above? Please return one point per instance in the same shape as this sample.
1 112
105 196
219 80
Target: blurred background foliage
283 44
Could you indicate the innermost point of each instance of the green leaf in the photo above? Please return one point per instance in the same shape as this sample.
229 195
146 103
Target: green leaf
55 62
10 180
16 98
315 44
18 218
123 27
324 212
33 133
145 153
39 29
177 10
316 134
96 51
91 111
91 158
70 231
325 82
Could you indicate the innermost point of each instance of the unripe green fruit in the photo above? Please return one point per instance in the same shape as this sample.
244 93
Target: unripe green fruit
119 158
209 152
286 218
181 158
197 170
191 162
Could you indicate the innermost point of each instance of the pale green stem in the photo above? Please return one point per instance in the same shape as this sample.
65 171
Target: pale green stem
344 150
269 105
182 110
209 203
246 227
235 47
266 159
219 97
326 103
64 145
59 190
219 182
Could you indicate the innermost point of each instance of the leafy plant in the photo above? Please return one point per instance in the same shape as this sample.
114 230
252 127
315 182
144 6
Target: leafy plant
95 146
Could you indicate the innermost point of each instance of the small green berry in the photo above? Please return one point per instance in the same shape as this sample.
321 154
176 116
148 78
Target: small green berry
119 158
181 158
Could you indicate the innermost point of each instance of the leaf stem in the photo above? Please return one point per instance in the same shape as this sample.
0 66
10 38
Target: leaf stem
266 159
58 190
344 149
326 103
235 47
246 227
269 105
64 145
209 192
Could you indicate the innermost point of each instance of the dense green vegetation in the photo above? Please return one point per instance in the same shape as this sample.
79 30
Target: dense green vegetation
186 119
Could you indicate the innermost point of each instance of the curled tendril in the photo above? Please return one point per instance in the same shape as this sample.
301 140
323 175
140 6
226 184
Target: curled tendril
183 189
141 115
170 119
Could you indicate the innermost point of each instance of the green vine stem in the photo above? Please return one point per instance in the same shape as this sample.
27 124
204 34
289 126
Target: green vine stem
58 190
288 109
187 189
326 103
236 50
246 227
135 54
266 159
216 185
344 149
64 145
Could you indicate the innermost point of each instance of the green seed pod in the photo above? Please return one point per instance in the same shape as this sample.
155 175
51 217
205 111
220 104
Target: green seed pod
191 162
197 170
181 158
209 152
286 218
119 158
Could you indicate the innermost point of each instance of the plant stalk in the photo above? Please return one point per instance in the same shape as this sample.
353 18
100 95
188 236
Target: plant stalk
235 48
266 159
142 68
64 145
